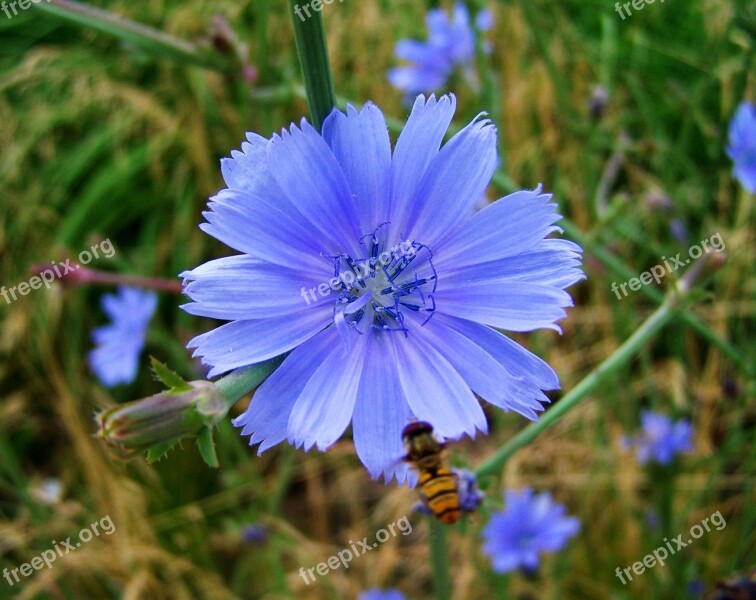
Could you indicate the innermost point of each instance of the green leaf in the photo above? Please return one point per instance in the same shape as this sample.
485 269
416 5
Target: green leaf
170 379
155 453
207 448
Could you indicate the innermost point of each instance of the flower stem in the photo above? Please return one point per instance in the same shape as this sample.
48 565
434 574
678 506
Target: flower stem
439 560
237 384
84 276
622 356
146 38
309 33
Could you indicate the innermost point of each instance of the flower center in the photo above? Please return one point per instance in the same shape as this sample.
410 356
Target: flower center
376 290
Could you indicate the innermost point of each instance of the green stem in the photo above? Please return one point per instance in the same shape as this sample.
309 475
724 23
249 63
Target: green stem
262 32
439 560
146 38
237 384
621 357
309 33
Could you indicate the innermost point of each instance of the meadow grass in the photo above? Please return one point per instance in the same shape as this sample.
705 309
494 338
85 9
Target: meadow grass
103 140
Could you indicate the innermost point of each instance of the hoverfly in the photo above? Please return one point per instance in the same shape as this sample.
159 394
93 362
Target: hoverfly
439 489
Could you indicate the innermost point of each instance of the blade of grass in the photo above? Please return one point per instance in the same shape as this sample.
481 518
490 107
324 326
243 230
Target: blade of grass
148 39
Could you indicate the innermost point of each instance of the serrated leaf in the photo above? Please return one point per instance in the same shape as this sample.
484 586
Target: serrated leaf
170 379
207 448
155 453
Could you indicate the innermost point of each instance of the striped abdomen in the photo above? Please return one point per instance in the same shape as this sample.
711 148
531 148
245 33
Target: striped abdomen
439 493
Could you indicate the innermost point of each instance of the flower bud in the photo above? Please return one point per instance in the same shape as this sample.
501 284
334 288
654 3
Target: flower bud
157 420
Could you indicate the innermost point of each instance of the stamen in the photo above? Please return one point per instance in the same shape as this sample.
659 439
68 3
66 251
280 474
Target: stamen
379 287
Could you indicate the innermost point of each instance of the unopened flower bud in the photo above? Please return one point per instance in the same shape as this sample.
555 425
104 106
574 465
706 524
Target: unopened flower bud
166 417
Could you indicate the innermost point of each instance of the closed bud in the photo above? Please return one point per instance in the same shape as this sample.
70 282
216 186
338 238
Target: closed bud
167 417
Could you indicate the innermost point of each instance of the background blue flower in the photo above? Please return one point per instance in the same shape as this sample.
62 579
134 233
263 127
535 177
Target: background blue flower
450 46
377 594
529 525
742 148
115 358
373 270
661 438
255 534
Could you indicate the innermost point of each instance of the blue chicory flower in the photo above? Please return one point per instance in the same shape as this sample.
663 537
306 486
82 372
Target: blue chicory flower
529 525
377 594
450 47
470 496
742 148
254 534
115 358
696 588
661 439
678 230
372 268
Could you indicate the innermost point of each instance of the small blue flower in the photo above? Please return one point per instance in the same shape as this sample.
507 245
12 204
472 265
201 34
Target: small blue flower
678 230
373 270
661 438
696 588
450 46
254 534
115 358
529 524
652 519
376 594
470 496
742 148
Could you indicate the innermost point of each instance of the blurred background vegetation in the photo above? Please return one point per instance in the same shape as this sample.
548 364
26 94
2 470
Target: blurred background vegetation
624 120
